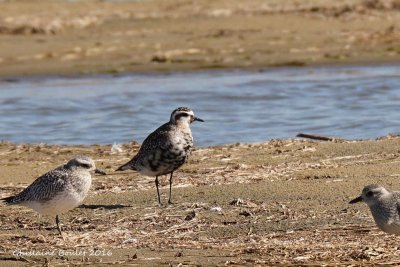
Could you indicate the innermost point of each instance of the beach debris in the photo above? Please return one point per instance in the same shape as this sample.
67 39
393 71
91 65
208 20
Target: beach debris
215 209
178 254
302 258
100 172
236 202
315 137
190 215
245 213
116 148
47 24
130 241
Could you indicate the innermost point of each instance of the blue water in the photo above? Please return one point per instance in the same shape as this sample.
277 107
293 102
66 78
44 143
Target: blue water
238 106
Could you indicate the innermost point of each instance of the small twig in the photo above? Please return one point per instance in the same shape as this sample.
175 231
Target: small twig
315 137
175 227
100 172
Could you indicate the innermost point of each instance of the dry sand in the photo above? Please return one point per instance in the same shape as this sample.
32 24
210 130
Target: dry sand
86 37
276 203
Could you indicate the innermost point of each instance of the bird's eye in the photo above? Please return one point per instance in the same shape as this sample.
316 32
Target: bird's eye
85 165
369 194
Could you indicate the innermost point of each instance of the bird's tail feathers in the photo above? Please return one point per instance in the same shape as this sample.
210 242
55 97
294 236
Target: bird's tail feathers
126 166
8 200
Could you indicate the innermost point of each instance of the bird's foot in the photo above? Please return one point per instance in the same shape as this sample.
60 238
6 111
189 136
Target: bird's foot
60 233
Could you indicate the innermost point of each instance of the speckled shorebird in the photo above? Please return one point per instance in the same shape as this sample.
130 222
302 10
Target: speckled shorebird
384 206
59 190
165 149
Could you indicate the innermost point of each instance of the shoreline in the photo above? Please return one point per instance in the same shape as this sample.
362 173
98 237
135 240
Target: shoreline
286 194
135 143
233 69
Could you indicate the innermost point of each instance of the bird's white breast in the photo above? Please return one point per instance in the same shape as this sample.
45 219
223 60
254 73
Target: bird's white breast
386 219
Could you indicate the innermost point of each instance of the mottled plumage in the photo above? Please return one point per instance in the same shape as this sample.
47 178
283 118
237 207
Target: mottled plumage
384 206
59 190
165 149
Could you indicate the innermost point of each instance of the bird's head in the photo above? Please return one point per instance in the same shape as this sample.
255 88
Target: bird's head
183 115
82 162
371 194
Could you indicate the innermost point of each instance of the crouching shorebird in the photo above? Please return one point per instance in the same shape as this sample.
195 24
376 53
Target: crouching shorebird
59 190
384 206
165 149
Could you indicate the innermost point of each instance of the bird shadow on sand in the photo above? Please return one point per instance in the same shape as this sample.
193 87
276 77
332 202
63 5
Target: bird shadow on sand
106 207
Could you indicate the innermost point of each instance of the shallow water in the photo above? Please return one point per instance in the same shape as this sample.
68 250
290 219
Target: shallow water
238 106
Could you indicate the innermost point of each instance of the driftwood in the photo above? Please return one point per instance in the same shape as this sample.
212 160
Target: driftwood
315 137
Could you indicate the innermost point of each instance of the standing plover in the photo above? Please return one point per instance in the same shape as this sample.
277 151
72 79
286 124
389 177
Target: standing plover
59 190
384 206
165 149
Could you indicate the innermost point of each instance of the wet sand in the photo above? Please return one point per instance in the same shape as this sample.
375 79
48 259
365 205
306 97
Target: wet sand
88 37
276 203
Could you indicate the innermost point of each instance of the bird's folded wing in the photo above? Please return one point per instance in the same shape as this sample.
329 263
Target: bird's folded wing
44 188
157 139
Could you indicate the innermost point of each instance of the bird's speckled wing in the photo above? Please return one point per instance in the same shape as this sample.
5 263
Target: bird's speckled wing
157 139
396 195
43 188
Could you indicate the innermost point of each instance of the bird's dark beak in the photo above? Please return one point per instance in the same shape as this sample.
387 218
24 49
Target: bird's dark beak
198 119
357 199
101 172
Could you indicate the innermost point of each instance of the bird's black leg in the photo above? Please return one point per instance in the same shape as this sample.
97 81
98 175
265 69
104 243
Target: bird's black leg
58 225
158 192
170 189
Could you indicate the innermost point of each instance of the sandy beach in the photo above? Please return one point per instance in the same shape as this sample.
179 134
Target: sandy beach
276 203
89 37
279 202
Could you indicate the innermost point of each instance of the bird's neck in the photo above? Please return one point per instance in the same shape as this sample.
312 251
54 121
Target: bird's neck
182 125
